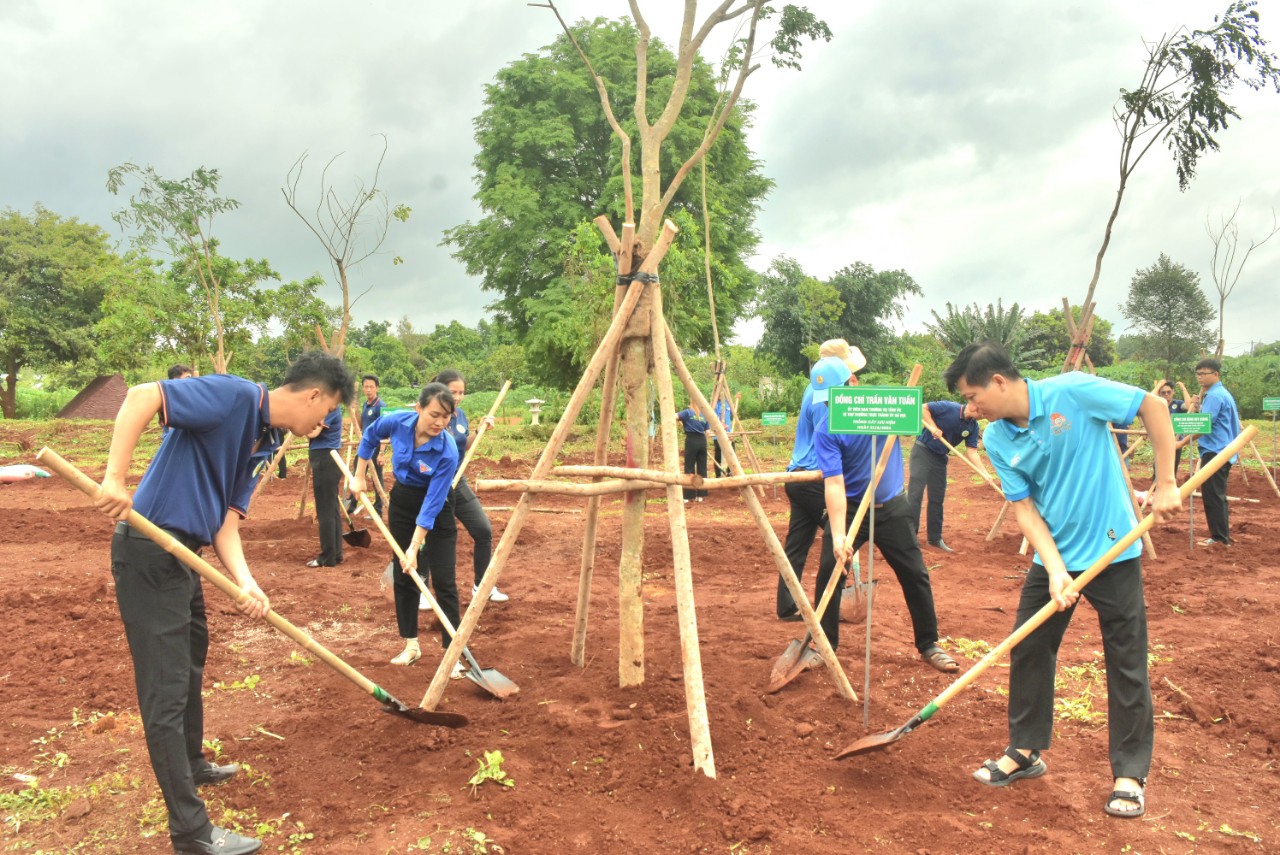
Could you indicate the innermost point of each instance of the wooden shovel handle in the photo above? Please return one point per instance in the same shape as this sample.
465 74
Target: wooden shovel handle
167 542
484 426
967 462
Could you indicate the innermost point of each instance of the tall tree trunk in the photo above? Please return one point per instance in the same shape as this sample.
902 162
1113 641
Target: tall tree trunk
9 398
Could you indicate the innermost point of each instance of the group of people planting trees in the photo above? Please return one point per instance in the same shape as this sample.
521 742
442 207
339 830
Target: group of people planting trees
1049 441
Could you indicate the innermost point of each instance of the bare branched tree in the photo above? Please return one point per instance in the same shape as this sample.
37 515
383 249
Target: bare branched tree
1224 267
351 228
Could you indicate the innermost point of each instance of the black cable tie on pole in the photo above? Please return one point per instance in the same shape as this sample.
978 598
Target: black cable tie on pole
645 278
624 280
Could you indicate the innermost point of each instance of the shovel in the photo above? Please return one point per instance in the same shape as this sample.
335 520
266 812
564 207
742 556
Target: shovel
799 657
489 679
165 540
353 536
874 743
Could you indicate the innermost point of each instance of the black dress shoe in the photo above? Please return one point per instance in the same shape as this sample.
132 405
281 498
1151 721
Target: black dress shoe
941 544
216 774
222 842
794 616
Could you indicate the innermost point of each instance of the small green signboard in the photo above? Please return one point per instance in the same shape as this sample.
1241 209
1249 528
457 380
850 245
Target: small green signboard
773 419
1270 405
893 410
1191 423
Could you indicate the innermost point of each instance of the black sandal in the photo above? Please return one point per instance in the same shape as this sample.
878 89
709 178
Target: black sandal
1028 767
1138 797
940 660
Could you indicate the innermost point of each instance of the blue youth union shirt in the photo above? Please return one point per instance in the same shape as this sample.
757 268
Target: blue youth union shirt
1065 460
1224 419
330 436
692 423
458 428
804 457
850 455
949 417
429 466
725 414
207 464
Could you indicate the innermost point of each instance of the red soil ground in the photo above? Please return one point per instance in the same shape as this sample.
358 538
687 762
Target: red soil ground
603 769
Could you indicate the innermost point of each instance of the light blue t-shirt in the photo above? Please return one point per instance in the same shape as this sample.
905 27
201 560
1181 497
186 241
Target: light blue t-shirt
1065 460
1224 424
805 457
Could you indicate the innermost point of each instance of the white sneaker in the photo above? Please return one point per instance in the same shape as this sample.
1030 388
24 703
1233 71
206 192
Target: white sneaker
423 605
495 596
458 671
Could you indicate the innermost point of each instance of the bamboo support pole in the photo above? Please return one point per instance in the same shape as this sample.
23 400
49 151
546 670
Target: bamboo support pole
607 347
686 610
270 474
484 426
770 537
1266 471
608 400
306 482
1133 446
626 474
563 488
1133 500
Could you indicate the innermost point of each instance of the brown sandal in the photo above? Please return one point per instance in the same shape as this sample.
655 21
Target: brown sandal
940 659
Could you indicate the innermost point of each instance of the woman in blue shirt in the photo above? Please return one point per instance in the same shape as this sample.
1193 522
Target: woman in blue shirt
423 458
695 447
466 507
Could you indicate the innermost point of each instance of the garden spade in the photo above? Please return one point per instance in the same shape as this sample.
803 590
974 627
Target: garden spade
874 743
167 542
489 679
353 536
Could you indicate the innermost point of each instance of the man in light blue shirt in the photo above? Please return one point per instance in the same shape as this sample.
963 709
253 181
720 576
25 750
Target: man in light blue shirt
1050 441
1224 426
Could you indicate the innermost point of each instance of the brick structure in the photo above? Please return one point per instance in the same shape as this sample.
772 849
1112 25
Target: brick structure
101 399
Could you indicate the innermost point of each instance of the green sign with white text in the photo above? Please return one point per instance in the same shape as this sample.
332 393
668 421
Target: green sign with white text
773 419
892 410
1191 423
1270 405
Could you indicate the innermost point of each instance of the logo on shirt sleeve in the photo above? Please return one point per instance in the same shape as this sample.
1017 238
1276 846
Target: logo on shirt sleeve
1059 423
461 429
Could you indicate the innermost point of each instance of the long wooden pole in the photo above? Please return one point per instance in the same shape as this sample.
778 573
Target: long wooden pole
770 537
1133 500
484 426
607 348
693 480
690 653
1265 470
270 474
951 449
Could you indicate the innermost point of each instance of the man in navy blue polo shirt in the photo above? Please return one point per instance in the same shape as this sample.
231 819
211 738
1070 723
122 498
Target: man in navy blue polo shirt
1224 426
1051 443
224 430
370 411
956 424
846 463
326 483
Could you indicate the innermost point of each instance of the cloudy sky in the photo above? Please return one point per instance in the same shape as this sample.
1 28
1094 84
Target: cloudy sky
968 142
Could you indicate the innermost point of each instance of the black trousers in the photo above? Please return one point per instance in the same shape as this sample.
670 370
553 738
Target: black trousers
376 465
1214 496
438 559
928 472
808 510
468 511
695 460
162 606
720 470
1116 595
326 481
897 543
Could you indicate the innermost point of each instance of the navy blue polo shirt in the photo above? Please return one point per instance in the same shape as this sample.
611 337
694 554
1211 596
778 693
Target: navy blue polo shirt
429 466
370 412
692 423
850 455
804 457
724 413
207 464
459 428
949 417
330 436
1065 461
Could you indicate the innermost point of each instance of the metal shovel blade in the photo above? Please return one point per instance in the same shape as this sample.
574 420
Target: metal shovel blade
358 537
794 661
875 742
489 679
393 705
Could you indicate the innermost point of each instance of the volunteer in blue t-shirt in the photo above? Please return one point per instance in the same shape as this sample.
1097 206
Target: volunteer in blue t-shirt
370 411
1050 441
326 486
957 424
808 505
846 463
1224 426
695 448
223 431
466 505
423 459
724 412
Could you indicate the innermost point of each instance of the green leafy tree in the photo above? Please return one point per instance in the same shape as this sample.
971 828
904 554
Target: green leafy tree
547 164
179 213
1048 337
53 273
364 336
1169 314
857 303
962 327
